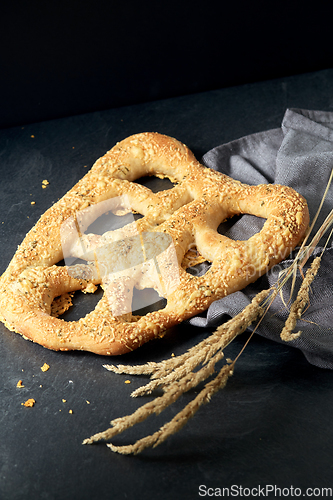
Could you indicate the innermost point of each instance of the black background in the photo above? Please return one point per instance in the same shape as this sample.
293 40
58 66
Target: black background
60 58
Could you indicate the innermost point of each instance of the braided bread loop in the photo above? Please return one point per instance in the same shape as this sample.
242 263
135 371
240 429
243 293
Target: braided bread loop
144 253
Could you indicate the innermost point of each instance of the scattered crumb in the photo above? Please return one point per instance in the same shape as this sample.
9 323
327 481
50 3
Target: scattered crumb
19 384
64 400
45 183
32 136
33 203
88 402
70 411
127 381
45 367
29 403
173 355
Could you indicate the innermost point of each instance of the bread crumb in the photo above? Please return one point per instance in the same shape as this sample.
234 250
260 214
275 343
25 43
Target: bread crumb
29 403
45 367
64 400
33 203
32 136
127 381
70 411
19 384
88 402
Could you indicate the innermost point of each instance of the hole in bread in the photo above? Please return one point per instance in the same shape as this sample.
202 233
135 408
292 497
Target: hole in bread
110 222
156 184
241 227
80 304
73 306
199 269
194 263
146 300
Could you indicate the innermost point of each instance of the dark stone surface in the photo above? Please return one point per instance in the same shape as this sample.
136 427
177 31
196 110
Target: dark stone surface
272 423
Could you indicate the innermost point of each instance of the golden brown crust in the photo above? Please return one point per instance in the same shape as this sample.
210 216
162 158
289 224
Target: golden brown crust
189 213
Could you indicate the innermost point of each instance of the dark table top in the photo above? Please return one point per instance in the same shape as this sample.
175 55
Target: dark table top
270 426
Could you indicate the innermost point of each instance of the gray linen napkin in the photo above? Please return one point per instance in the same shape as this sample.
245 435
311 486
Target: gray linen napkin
300 155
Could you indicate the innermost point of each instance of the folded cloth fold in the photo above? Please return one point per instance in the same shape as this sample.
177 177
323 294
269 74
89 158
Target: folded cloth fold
299 155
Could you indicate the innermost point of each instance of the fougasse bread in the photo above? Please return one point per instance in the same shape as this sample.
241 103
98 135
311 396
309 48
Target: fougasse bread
145 253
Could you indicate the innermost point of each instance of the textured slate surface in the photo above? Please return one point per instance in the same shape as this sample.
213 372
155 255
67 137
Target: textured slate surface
270 426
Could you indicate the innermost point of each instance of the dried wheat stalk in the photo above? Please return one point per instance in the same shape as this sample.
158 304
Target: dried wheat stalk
175 376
